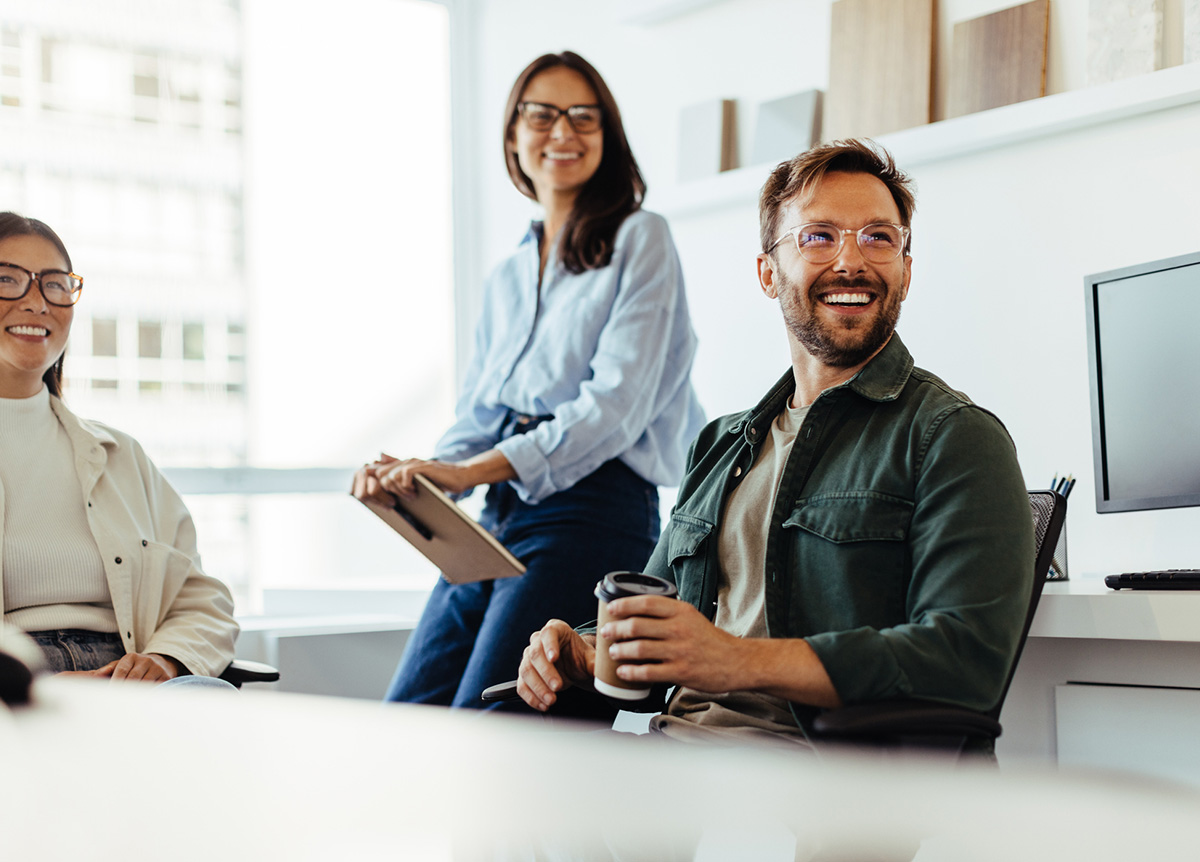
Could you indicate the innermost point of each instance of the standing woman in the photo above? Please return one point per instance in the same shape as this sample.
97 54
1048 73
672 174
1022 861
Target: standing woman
577 403
99 553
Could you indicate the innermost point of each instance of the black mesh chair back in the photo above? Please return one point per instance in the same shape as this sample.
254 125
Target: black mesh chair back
1049 513
928 725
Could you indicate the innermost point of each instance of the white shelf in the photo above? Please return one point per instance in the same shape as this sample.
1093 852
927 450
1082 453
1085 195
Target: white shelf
985 130
1084 607
645 13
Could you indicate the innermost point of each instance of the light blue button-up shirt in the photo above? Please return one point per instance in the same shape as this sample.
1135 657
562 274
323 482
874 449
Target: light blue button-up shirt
608 352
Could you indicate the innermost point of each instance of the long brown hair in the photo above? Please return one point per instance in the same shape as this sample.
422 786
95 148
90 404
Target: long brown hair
11 225
613 192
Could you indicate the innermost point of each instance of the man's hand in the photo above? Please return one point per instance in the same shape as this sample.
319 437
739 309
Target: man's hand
682 647
556 658
144 667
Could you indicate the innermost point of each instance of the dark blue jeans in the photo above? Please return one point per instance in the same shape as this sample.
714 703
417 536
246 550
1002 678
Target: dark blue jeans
77 649
472 635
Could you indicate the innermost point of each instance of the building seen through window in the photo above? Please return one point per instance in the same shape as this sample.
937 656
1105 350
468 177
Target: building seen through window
217 184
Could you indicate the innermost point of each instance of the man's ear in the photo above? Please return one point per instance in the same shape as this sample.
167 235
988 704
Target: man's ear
766 276
907 277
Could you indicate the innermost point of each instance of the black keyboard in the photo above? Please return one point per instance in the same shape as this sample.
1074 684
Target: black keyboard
1167 579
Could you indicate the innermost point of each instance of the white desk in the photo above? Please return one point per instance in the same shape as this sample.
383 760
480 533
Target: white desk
205 775
1145 642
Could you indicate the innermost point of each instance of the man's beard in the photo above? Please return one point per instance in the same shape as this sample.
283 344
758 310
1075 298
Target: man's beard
854 339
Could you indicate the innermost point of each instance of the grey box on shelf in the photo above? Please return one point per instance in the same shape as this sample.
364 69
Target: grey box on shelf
707 139
1191 31
1125 38
787 126
1058 563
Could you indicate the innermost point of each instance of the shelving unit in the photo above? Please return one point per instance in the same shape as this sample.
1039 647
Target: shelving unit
947 139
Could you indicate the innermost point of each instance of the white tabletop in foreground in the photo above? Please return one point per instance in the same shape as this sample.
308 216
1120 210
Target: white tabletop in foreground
129 773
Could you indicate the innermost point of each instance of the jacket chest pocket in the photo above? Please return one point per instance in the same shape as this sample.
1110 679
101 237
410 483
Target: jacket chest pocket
851 552
687 540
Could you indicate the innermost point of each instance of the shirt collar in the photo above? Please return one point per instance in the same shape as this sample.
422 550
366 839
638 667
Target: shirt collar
534 234
87 437
881 379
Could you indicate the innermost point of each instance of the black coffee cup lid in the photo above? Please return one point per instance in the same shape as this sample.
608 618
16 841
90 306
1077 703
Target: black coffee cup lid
618 585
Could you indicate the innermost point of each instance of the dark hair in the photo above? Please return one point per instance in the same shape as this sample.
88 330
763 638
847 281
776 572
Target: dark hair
798 177
11 225
613 192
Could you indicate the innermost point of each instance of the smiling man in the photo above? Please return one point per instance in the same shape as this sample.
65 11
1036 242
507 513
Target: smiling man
862 534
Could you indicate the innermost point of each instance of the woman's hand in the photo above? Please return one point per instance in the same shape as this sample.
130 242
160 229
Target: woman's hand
399 477
390 476
144 667
366 485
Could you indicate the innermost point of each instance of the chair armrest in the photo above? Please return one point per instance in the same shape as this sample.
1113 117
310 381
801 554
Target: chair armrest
904 718
241 670
500 692
15 680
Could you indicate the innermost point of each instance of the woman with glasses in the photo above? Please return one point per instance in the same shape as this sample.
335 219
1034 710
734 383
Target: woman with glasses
98 551
577 403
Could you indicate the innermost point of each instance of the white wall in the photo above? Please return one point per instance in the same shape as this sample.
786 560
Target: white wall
1002 239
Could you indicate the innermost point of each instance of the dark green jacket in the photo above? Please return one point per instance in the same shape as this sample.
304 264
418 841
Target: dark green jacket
901 542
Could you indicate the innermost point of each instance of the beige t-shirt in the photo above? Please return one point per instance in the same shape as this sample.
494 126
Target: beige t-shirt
742 553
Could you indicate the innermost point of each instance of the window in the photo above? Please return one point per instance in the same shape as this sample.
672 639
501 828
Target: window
149 339
193 341
217 354
104 337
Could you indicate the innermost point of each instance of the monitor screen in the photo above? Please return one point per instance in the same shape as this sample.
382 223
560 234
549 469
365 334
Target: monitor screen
1144 368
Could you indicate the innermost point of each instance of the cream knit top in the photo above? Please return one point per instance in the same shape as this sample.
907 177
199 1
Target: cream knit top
53 575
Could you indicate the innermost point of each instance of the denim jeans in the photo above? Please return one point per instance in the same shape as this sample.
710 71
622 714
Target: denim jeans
77 649
80 649
472 636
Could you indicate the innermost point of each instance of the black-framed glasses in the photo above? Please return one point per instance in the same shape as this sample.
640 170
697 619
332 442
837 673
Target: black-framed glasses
584 119
821 243
57 287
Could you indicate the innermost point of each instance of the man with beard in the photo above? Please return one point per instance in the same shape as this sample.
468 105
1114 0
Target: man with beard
862 534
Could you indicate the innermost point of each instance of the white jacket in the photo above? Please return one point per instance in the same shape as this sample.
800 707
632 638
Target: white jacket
164 603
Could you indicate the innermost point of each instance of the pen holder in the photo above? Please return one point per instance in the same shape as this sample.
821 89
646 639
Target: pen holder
1058 562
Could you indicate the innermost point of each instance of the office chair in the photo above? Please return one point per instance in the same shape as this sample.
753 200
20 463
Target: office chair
242 671
927 725
916 724
16 678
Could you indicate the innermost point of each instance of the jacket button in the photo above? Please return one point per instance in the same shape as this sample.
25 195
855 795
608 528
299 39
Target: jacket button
753 432
118 561
737 471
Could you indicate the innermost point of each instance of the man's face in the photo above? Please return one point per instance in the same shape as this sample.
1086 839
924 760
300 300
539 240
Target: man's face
841 312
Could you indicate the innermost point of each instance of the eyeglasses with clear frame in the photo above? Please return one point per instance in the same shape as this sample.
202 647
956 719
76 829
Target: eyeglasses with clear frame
821 243
584 119
58 288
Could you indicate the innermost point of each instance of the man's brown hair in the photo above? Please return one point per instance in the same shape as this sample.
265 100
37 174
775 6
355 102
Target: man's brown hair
798 178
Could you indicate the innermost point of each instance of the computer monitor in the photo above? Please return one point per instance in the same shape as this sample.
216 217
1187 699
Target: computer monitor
1144 367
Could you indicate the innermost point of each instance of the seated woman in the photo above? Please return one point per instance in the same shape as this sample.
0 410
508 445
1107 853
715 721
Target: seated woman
99 553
